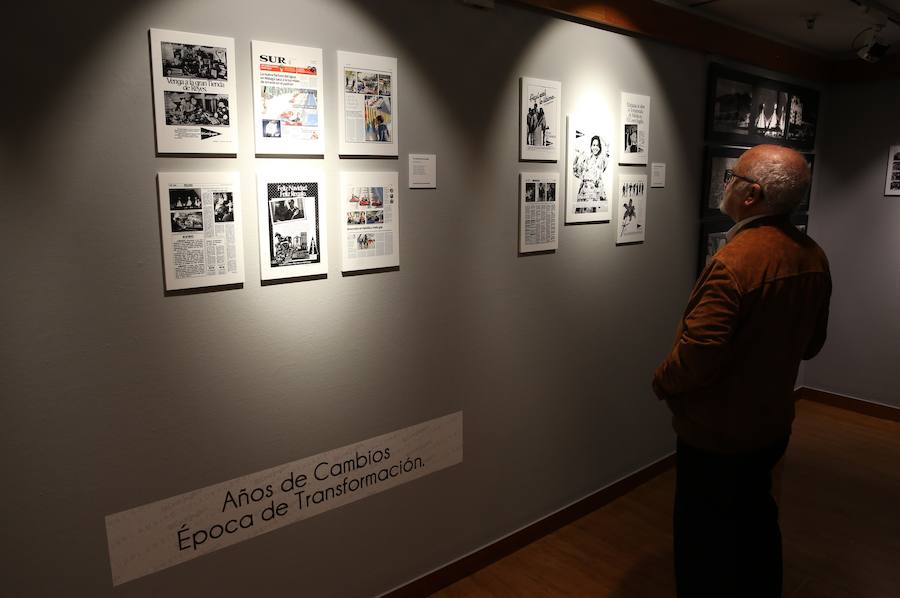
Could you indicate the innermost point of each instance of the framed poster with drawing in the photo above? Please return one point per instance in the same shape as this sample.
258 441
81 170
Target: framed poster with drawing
539 118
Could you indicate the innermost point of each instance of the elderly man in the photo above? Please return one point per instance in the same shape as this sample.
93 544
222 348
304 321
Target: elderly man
757 310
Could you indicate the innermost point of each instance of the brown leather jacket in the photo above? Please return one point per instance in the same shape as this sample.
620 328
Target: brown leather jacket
759 307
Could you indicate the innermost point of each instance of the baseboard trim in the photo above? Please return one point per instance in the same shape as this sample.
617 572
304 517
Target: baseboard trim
862 406
481 558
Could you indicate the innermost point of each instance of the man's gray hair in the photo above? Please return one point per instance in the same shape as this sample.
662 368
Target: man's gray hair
784 182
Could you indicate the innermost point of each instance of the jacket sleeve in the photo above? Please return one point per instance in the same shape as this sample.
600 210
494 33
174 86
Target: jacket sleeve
703 343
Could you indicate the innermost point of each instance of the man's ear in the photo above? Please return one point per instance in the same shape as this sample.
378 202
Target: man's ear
754 195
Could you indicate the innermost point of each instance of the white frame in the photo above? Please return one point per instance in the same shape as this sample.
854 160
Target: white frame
289 176
533 152
537 177
369 62
632 237
203 139
591 126
293 57
387 180
637 158
202 179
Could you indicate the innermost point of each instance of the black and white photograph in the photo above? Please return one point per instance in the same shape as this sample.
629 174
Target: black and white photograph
892 178
769 112
194 62
802 118
223 210
187 108
712 239
287 209
185 199
732 105
530 191
271 128
187 222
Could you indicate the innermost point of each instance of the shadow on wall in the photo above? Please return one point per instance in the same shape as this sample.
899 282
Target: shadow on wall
441 38
46 43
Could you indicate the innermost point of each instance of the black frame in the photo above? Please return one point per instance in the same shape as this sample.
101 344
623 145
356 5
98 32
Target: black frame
744 103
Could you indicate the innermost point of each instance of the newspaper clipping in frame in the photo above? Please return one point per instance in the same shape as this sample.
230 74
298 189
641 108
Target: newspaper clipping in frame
288 104
291 225
194 93
539 118
370 220
538 211
367 87
634 146
201 229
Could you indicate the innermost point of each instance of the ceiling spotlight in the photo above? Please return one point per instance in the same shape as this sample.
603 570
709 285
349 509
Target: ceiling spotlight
874 47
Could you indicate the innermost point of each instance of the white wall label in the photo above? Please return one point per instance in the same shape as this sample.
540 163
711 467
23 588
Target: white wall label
153 537
423 171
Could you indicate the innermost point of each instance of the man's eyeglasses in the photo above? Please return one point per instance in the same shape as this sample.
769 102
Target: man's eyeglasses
730 174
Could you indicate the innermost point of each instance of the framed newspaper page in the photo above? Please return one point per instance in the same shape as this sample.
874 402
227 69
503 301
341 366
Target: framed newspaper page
370 220
288 101
292 229
367 101
538 211
539 120
194 93
202 241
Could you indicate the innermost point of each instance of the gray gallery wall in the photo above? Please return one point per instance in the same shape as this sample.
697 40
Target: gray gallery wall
116 395
858 227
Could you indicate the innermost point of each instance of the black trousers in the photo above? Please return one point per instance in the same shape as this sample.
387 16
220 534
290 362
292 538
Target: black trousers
727 539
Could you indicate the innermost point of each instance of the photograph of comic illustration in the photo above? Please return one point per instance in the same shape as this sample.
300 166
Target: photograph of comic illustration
632 204
370 228
368 104
291 222
538 211
540 119
202 243
288 99
892 178
589 175
635 123
194 92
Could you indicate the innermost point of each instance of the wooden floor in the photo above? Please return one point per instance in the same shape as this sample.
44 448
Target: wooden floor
840 519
